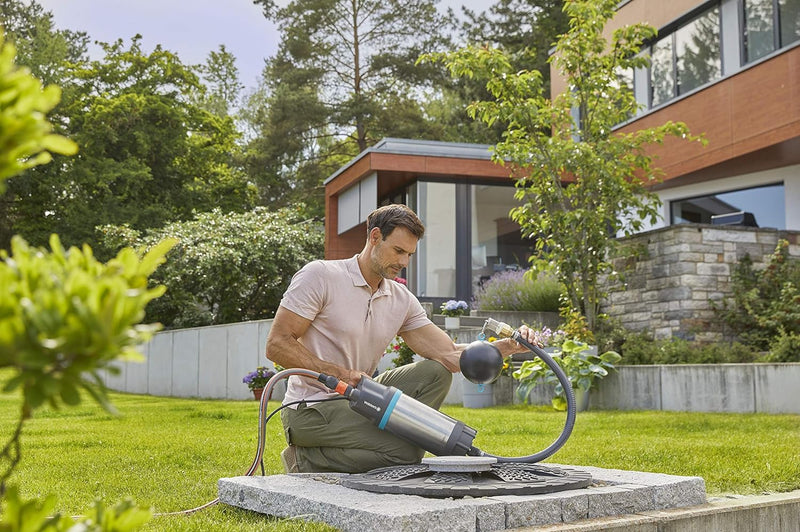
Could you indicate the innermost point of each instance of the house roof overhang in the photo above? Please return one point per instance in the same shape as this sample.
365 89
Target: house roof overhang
401 161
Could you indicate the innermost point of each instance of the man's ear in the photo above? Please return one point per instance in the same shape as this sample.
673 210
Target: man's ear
375 236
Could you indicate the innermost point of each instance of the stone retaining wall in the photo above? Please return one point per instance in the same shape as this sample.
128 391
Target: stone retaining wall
681 270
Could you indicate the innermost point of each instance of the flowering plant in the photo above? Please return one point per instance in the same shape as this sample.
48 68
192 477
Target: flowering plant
405 355
454 308
258 378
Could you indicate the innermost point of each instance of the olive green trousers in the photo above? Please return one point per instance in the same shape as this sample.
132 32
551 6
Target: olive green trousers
329 436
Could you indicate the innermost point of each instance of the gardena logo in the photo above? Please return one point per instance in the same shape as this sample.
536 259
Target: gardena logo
376 408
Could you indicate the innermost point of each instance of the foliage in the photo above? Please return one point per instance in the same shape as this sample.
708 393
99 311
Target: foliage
358 54
765 304
515 290
580 182
640 348
580 365
404 354
575 325
258 378
149 153
26 135
19 515
227 267
784 348
222 83
453 308
64 318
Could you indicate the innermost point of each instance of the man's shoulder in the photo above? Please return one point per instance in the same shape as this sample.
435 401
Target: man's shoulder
325 268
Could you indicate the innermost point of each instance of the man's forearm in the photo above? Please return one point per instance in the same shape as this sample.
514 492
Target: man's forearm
289 353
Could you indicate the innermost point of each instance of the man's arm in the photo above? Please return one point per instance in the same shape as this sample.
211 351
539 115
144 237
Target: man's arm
433 343
284 349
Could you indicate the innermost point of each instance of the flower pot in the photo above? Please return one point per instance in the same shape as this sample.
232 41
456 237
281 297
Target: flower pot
581 399
452 322
257 393
476 395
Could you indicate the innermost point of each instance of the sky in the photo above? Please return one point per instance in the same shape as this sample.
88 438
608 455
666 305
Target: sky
190 28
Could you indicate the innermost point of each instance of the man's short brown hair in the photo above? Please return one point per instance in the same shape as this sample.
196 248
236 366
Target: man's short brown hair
388 217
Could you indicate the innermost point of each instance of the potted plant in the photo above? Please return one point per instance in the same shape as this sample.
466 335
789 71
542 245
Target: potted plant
582 366
257 380
452 310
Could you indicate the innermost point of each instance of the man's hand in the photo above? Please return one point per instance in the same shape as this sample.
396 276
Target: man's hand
508 346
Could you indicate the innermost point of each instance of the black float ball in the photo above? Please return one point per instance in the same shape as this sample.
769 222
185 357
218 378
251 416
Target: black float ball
481 362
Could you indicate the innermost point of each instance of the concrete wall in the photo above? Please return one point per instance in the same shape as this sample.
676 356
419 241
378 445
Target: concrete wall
210 362
206 362
744 388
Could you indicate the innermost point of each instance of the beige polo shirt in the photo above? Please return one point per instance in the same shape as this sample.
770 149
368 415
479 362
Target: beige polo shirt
350 326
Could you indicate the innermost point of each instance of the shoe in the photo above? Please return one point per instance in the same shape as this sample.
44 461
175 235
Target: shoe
289 459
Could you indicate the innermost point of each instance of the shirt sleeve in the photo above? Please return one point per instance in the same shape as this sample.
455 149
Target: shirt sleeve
306 293
416 316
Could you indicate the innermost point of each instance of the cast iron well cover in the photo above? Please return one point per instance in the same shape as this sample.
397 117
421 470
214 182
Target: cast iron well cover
453 477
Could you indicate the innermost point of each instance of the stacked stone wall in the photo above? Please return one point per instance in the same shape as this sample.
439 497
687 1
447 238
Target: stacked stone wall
679 273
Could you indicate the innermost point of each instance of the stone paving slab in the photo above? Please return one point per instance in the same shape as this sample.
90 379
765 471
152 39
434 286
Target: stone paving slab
319 497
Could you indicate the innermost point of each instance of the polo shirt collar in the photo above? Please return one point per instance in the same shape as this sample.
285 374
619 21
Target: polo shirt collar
358 278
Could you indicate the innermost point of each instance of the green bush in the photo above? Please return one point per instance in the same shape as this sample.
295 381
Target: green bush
229 267
765 305
785 348
515 290
640 348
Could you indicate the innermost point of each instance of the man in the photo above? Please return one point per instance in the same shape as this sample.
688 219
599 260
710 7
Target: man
337 317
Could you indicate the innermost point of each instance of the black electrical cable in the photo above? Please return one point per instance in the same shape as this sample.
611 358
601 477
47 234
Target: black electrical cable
262 421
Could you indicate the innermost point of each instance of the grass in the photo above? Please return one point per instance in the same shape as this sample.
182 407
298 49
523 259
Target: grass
168 453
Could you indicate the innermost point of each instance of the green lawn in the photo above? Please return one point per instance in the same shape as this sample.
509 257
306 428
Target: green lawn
169 453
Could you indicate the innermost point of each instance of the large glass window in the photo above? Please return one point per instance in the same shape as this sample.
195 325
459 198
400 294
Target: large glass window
497 242
769 25
759 26
662 73
686 58
789 11
436 252
697 48
764 204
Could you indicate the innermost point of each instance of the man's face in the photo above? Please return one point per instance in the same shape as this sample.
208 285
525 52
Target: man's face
390 255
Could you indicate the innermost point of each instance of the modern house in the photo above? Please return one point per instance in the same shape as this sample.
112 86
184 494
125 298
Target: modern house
728 68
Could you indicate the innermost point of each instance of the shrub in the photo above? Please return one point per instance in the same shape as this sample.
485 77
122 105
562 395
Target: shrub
514 290
227 267
639 348
785 348
765 305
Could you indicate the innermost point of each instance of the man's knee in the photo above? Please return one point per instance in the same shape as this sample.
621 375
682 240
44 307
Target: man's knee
442 373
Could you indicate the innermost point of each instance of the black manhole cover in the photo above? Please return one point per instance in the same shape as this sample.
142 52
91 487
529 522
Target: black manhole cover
507 478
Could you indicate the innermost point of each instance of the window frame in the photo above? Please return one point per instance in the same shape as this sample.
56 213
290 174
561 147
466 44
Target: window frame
669 32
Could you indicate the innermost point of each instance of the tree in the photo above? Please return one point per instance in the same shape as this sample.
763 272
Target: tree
359 51
45 50
580 182
227 267
222 85
526 30
148 155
